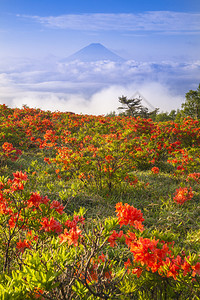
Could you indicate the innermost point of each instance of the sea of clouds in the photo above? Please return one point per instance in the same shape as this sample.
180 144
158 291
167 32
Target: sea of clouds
94 87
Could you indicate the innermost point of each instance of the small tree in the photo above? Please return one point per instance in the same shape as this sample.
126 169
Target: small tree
134 108
131 107
191 107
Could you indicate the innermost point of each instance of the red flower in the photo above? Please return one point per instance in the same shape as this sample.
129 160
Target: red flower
13 221
182 195
194 176
20 176
129 215
74 222
109 158
173 266
146 252
196 269
114 236
127 264
47 160
70 236
55 225
130 237
155 170
137 271
102 258
4 206
38 293
186 267
10 151
51 225
35 200
21 245
57 206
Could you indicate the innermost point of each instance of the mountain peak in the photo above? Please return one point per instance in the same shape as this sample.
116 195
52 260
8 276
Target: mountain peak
95 52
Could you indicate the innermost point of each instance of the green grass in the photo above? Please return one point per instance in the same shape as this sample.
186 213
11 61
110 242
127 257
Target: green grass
153 195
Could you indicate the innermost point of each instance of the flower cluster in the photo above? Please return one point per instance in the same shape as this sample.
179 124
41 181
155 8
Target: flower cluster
148 254
10 151
51 225
155 170
72 234
183 194
151 254
129 215
114 237
22 245
193 177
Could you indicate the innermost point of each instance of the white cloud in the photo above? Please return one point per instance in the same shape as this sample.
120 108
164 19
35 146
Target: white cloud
94 88
101 102
164 21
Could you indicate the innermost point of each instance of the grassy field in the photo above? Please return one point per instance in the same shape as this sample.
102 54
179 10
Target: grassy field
89 165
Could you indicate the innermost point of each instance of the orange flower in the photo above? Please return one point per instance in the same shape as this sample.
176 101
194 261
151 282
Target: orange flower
71 236
194 176
146 252
182 195
155 170
21 245
196 269
57 206
20 176
50 225
114 236
129 215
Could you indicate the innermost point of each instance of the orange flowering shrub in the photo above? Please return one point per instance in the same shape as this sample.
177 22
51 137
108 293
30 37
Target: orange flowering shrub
22 211
153 255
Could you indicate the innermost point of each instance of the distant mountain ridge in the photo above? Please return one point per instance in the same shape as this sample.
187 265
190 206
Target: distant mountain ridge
94 52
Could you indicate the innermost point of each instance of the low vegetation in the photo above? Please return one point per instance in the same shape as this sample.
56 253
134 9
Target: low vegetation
98 207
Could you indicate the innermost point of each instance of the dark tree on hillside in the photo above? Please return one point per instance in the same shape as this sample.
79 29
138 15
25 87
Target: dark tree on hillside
131 107
191 107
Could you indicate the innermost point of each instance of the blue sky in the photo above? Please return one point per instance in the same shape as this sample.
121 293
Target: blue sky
36 34
140 30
